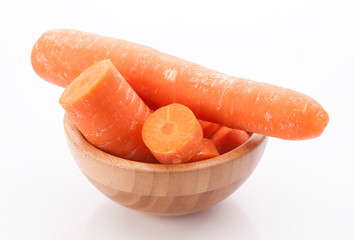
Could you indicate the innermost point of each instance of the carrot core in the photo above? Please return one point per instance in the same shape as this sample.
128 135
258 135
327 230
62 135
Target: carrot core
168 128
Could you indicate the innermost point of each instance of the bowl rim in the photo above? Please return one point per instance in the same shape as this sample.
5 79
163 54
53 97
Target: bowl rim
79 142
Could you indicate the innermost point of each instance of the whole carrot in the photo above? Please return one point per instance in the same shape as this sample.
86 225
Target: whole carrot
160 79
173 134
108 112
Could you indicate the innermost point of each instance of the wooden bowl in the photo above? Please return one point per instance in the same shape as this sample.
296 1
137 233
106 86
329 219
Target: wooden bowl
165 189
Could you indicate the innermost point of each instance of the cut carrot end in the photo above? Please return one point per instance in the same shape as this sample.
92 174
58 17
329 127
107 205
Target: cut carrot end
173 134
227 139
85 82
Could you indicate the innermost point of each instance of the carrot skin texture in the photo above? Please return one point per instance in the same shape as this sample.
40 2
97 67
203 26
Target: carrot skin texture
108 112
208 150
173 134
227 139
161 79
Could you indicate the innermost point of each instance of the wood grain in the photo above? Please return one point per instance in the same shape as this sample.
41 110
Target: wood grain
165 189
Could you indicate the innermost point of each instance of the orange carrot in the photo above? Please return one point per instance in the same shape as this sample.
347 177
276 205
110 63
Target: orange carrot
208 150
160 79
108 112
209 128
226 139
173 134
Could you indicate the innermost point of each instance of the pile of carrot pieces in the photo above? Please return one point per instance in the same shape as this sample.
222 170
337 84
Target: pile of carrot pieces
140 104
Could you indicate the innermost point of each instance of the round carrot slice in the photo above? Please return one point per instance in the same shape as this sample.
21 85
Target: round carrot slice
173 134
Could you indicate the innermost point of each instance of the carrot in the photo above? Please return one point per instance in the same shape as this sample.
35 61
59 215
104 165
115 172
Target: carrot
226 139
108 112
208 150
173 134
209 128
160 79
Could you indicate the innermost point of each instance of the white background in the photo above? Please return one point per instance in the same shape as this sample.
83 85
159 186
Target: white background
300 189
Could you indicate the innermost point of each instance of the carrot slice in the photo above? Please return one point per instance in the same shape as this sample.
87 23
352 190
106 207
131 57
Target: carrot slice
209 128
160 79
208 150
173 134
108 112
226 139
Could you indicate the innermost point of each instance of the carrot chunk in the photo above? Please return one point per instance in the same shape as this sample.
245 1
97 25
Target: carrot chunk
209 128
108 112
173 134
161 79
226 139
208 150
